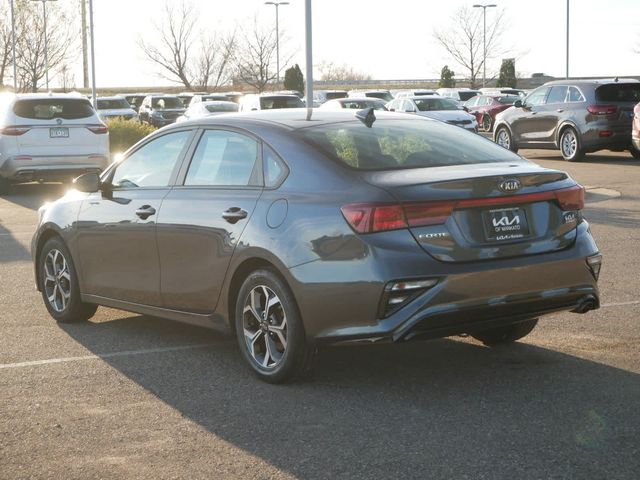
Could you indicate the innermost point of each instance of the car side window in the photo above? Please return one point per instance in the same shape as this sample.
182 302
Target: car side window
575 95
472 103
152 164
224 158
557 95
274 168
537 97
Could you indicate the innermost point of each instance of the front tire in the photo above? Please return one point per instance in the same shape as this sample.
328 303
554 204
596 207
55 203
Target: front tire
58 281
269 329
504 138
635 153
507 333
570 147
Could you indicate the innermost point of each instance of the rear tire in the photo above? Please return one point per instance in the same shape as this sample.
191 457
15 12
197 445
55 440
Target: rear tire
58 281
504 139
270 331
570 147
506 334
487 123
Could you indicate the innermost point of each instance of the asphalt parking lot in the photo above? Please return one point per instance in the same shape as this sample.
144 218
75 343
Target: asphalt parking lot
128 396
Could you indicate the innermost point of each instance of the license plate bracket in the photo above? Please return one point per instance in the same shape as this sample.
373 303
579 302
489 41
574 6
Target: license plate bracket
59 132
505 224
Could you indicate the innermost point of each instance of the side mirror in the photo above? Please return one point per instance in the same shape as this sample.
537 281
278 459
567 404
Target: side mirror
392 109
89 182
410 110
465 108
518 104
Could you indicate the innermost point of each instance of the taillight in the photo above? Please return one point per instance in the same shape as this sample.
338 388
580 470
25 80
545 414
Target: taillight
99 129
371 217
13 130
571 198
602 109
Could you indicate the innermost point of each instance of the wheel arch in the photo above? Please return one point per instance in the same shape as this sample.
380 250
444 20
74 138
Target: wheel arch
45 235
562 127
498 125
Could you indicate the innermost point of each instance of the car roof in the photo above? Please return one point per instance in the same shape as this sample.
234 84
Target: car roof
596 81
357 99
112 97
217 102
49 95
287 118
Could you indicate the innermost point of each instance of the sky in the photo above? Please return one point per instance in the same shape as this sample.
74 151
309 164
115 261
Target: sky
388 40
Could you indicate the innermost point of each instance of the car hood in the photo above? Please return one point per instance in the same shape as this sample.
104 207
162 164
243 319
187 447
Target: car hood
447 115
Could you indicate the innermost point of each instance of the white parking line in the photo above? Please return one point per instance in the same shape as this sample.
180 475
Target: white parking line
621 304
104 355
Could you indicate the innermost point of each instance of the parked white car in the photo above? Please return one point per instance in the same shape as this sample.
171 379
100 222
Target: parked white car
206 109
444 109
414 93
115 107
382 94
269 101
49 137
459 94
208 98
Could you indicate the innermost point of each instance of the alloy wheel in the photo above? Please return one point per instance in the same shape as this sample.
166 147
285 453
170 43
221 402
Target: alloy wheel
569 144
57 280
486 123
503 139
265 327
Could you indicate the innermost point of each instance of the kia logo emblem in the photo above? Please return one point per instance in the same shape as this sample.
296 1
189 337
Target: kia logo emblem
59 121
510 185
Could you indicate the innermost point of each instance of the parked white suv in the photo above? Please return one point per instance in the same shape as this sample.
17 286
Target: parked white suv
49 137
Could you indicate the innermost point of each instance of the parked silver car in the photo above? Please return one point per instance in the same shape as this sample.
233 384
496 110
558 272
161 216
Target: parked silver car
436 107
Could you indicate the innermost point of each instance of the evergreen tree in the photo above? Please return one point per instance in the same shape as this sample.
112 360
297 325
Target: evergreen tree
507 73
446 78
293 79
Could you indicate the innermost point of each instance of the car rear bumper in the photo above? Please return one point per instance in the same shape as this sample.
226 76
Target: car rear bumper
25 169
468 297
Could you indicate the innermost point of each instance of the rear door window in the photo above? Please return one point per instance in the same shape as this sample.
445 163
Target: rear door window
50 108
224 158
619 92
557 94
575 95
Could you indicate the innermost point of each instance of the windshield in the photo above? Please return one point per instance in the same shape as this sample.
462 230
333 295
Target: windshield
113 104
221 107
49 108
272 103
165 103
334 95
619 92
464 96
208 98
434 103
508 99
361 104
386 96
134 100
392 144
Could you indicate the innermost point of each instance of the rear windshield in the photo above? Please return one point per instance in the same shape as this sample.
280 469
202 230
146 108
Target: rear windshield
165 103
135 100
464 96
508 99
619 92
382 95
112 104
208 98
48 108
362 104
393 144
271 103
222 107
434 103
334 95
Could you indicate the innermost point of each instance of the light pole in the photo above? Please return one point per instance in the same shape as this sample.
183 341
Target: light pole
13 48
567 39
277 5
484 39
308 37
46 53
93 57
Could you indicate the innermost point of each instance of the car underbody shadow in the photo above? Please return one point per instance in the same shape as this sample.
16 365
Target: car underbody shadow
447 408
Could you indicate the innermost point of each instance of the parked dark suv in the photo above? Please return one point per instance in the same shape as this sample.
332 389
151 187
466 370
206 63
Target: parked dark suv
576 117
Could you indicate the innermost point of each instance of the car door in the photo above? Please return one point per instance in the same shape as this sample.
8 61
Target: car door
116 234
525 125
203 218
551 113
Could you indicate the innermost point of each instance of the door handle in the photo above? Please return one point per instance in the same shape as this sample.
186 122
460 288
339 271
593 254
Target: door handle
560 110
234 214
145 211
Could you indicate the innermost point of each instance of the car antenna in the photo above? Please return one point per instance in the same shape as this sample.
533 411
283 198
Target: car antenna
366 116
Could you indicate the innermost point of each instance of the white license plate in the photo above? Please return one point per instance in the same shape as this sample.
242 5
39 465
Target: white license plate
59 132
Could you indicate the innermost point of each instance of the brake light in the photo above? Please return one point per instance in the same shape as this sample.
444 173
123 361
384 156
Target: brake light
368 218
602 109
571 198
432 213
14 130
98 129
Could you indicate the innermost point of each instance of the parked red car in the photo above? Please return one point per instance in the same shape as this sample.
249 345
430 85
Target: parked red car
635 132
486 107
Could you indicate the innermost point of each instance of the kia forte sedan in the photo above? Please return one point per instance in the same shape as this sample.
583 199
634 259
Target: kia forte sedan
293 229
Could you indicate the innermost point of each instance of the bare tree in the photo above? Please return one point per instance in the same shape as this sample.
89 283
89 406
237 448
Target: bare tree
30 42
5 43
175 40
255 57
464 39
331 72
213 68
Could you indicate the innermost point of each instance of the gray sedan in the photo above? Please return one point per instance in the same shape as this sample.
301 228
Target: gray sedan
293 228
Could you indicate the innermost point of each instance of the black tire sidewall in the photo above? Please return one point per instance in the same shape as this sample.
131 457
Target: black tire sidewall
512 147
577 156
297 347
